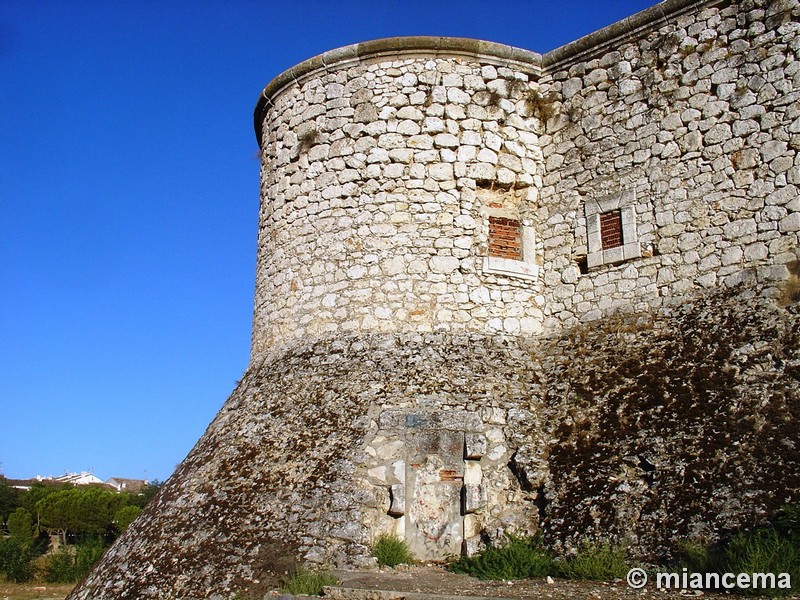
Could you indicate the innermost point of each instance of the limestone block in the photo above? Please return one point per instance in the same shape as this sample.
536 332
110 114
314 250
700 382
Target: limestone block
481 171
420 142
393 171
790 223
475 497
772 150
493 141
466 154
433 125
410 112
475 445
472 524
389 141
441 171
377 474
594 259
474 545
743 228
613 255
633 250
471 138
365 113
408 127
446 140
506 177
487 156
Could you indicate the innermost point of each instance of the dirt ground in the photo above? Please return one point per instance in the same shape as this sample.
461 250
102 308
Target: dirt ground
31 591
432 580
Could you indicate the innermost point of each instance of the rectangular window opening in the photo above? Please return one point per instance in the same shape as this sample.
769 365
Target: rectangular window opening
505 238
611 229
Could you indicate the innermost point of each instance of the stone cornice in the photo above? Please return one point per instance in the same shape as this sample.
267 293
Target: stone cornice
399 48
633 27
396 48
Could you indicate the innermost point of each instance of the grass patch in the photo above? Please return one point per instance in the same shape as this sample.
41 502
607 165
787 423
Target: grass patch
309 583
518 559
390 551
697 557
33 591
602 562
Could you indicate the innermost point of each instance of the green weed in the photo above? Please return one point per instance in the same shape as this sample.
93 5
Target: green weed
597 562
391 551
518 559
309 583
771 549
763 551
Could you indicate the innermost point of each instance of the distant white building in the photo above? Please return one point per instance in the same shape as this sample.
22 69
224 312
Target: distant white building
120 484
82 478
127 485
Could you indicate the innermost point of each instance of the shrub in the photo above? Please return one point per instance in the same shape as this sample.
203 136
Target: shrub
309 583
772 549
697 557
391 551
66 566
307 139
60 567
518 559
15 560
86 555
763 551
788 523
597 562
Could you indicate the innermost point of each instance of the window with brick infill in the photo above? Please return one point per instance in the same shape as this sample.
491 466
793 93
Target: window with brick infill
505 238
611 232
611 229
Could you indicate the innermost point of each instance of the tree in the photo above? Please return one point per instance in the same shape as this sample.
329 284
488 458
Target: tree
8 500
125 516
80 511
54 514
21 527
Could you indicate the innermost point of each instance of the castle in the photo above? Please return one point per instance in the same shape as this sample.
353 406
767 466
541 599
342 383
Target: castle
499 291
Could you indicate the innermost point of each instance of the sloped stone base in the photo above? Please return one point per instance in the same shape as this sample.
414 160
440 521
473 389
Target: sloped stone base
643 429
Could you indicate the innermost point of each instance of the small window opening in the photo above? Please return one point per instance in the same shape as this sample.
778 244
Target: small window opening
611 229
505 238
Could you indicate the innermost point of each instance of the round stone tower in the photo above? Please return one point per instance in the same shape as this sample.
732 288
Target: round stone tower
400 180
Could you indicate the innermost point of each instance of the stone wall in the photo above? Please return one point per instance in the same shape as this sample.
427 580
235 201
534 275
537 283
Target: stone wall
694 124
384 161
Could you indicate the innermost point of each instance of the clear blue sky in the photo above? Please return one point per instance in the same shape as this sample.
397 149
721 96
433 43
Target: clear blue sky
129 203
